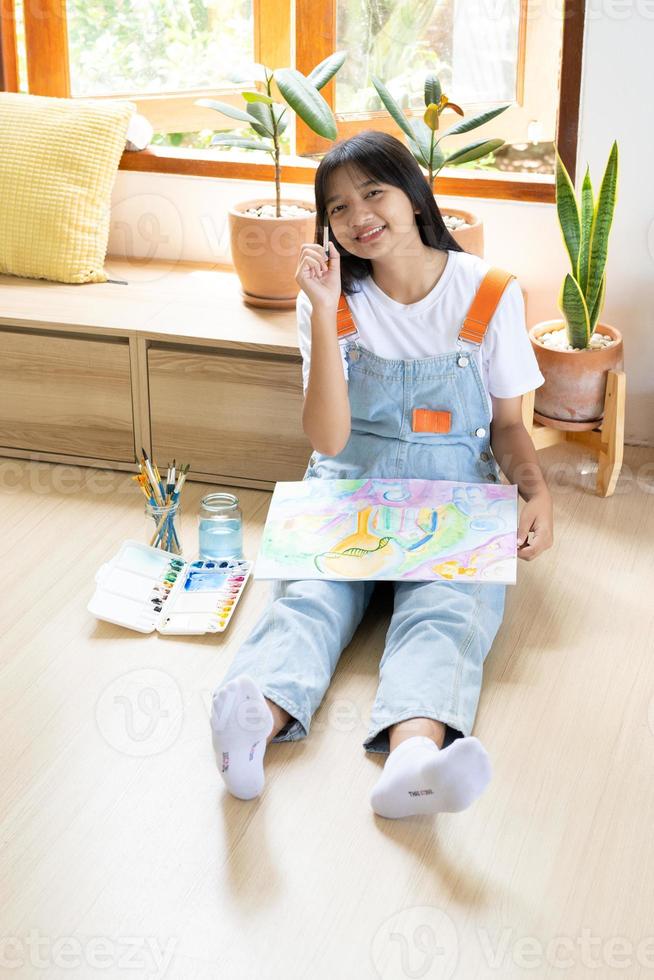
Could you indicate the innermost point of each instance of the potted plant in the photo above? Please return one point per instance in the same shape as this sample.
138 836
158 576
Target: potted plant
464 226
265 235
575 354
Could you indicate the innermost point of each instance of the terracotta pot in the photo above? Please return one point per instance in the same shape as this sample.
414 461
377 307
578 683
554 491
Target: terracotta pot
470 239
265 252
575 381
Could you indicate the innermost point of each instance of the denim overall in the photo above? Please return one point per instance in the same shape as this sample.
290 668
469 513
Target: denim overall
423 419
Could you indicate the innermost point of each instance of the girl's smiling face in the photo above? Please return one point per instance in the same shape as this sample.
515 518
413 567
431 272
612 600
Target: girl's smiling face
358 205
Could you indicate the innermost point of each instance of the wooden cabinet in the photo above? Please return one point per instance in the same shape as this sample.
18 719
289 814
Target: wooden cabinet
166 356
68 395
232 415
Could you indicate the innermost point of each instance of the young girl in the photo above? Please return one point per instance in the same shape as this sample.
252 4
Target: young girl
403 337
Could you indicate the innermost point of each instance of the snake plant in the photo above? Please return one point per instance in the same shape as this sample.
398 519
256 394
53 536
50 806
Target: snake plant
421 132
585 228
268 118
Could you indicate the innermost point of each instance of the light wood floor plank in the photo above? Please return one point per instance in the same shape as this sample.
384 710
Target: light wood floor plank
115 823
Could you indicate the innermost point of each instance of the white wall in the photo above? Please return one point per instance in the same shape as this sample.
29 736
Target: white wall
185 217
617 104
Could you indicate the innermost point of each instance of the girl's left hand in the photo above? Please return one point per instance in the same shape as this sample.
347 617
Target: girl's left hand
537 516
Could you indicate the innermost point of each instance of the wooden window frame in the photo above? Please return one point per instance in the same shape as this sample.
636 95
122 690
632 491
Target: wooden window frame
48 74
8 48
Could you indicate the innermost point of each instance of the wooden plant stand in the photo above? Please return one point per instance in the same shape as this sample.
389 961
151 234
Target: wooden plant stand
604 437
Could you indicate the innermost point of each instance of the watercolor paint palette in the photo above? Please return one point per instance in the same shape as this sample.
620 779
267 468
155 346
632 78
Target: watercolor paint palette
147 589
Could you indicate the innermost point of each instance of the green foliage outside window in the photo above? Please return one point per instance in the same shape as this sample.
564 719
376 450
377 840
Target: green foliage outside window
156 46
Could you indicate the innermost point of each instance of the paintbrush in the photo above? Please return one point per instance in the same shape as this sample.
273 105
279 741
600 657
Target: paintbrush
180 482
159 480
140 479
154 483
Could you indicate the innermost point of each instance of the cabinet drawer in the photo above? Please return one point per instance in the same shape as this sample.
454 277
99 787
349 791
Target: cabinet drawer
235 415
67 395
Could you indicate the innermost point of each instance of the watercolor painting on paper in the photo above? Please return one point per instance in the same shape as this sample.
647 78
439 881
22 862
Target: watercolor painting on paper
402 530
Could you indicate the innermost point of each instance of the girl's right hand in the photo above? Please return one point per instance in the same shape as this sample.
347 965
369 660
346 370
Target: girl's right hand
321 283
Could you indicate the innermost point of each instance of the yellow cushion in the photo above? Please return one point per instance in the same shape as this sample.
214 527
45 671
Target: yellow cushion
58 162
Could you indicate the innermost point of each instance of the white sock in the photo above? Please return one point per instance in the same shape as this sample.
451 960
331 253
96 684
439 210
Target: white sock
241 721
421 778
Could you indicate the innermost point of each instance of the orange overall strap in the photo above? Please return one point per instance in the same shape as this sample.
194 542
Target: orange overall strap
344 323
484 304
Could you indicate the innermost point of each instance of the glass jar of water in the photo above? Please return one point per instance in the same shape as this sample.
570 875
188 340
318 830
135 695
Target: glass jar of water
221 527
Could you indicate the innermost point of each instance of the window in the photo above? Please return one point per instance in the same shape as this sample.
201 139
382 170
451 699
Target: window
473 47
485 52
131 47
9 67
163 55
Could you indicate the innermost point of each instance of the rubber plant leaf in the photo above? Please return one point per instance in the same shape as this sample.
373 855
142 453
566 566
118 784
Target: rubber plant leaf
392 107
326 70
423 137
244 144
226 109
467 124
305 99
260 119
264 124
433 90
473 151
257 97
417 153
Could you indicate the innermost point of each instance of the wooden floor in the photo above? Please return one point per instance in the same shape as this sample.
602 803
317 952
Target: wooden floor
123 855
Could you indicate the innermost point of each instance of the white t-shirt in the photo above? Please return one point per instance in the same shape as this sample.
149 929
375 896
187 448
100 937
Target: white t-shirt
507 363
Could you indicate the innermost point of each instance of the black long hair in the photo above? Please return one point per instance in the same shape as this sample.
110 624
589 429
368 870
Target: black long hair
384 158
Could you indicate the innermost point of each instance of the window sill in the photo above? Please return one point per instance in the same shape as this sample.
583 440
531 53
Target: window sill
300 170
